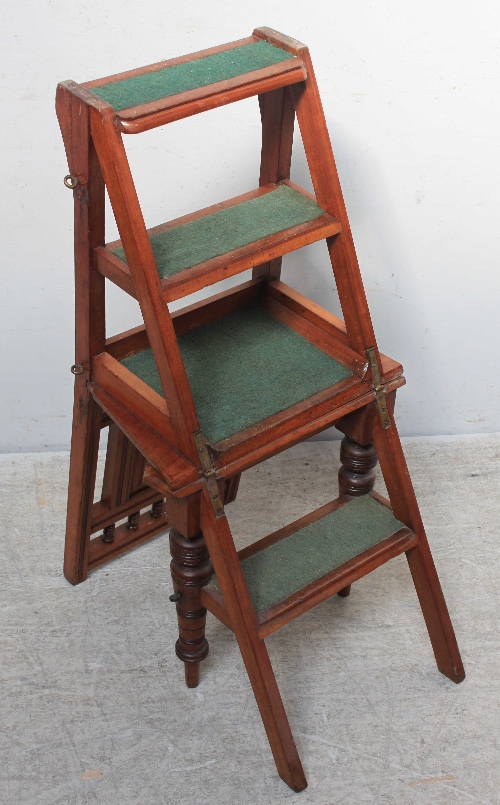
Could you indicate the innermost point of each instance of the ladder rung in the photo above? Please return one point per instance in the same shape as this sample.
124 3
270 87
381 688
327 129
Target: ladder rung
170 90
295 568
207 246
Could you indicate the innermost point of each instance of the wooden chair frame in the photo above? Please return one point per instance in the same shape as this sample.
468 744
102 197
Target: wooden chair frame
157 434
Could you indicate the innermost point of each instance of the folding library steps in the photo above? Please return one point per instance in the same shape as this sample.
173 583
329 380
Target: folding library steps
194 398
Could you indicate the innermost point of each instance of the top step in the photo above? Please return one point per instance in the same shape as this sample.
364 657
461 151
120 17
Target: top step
170 90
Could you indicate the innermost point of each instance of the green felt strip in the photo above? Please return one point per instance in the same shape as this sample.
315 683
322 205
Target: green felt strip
289 565
243 368
190 75
213 235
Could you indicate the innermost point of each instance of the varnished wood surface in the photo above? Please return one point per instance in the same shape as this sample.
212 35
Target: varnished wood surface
421 563
88 198
242 617
278 118
134 394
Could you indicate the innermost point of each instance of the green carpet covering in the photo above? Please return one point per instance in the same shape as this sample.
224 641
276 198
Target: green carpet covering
288 566
243 368
219 233
190 75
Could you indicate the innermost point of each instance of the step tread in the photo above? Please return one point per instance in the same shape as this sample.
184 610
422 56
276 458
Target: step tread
181 246
286 567
243 368
190 75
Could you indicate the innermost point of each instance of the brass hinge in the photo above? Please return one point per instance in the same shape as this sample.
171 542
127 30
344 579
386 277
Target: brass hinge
380 390
209 473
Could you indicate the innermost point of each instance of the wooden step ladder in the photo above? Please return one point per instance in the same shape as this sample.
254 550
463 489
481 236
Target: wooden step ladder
194 398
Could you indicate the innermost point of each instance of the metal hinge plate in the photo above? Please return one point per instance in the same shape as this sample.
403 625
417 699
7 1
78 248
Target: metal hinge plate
209 473
380 390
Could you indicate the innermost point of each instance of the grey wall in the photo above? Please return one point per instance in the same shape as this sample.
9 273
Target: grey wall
410 93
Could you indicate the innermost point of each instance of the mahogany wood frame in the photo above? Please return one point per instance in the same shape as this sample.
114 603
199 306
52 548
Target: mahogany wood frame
156 432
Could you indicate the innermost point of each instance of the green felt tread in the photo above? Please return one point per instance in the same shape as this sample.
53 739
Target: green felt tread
190 75
244 368
289 565
216 234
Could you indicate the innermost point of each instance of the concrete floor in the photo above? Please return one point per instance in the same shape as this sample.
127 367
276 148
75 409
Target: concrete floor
94 707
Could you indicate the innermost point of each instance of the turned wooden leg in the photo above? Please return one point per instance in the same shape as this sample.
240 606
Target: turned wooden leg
356 475
191 569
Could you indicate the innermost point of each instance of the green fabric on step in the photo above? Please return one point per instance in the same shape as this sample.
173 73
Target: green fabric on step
190 75
288 566
186 246
243 368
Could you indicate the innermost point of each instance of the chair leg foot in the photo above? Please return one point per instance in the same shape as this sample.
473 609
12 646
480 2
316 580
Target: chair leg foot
345 591
192 672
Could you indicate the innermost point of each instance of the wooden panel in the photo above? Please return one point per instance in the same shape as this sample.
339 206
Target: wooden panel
182 476
115 270
134 394
128 343
318 336
309 310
